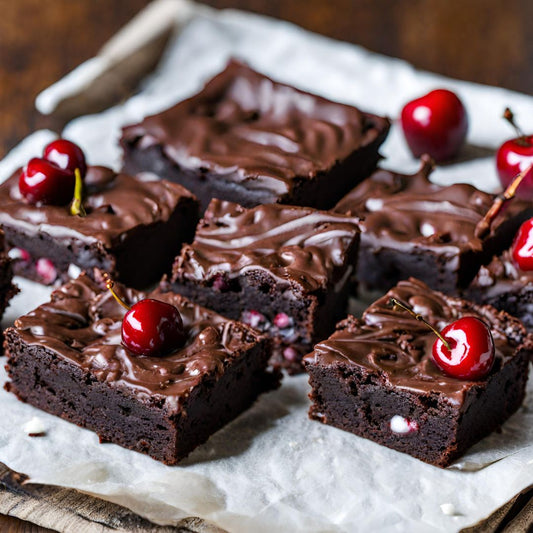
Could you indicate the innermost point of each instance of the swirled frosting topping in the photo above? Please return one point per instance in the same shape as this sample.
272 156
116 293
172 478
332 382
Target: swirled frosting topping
298 246
249 128
115 204
82 323
398 347
411 210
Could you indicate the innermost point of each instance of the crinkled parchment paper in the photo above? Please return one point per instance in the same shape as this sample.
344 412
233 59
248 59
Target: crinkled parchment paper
272 469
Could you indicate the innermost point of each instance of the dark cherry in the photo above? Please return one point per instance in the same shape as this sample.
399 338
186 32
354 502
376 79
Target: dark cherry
153 328
470 351
522 249
43 182
514 156
67 155
435 124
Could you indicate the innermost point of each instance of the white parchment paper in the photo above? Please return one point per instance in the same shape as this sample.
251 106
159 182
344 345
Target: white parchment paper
272 469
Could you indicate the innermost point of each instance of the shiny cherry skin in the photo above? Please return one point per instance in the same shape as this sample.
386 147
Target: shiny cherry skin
522 249
67 155
42 182
513 157
435 124
472 349
152 328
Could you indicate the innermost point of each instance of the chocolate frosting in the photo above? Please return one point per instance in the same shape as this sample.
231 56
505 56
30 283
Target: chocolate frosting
82 324
398 347
411 211
249 128
115 204
300 247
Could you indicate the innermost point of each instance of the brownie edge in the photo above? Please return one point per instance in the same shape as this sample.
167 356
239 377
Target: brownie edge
375 377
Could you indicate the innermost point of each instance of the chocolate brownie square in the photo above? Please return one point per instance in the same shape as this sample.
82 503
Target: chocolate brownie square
506 287
66 358
413 227
135 226
282 269
251 140
376 378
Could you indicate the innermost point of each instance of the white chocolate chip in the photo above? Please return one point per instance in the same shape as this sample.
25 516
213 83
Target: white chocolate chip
34 426
448 509
401 425
427 230
74 271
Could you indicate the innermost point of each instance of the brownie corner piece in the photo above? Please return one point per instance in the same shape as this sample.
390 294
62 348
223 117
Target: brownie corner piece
251 140
375 377
133 228
282 269
66 358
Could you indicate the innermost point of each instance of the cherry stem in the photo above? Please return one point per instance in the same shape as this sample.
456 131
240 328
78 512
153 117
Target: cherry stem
396 303
483 226
509 116
109 283
427 164
76 207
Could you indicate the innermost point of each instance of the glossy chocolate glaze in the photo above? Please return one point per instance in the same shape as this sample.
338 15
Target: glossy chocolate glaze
115 204
82 324
398 347
247 128
407 212
298 246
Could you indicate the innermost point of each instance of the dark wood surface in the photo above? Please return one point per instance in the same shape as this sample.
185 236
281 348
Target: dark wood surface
487 41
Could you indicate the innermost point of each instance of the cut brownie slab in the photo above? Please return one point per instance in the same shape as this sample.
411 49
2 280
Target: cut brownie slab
134 228
413 227
375 377
281 269
66 358
251 140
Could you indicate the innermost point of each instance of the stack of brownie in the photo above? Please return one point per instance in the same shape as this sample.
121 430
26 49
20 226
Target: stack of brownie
295 217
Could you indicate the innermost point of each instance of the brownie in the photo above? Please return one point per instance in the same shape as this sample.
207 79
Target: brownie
135 226
503 285
413 227
376 378
251 140
66 358
282 269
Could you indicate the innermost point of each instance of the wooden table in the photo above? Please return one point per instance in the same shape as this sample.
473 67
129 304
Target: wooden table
486 41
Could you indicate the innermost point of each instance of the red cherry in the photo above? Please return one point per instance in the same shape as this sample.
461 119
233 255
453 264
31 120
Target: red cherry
66 155
435 124
514 156
43 182
471 352
522 249
153 328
